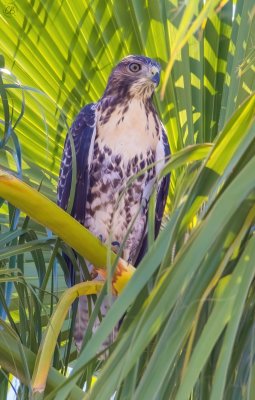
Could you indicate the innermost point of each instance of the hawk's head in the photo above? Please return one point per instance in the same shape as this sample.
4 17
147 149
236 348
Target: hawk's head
134 76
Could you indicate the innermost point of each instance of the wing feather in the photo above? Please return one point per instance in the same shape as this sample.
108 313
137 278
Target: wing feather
163 187
83 133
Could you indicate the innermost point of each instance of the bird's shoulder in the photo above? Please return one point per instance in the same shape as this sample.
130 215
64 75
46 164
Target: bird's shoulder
85 118
82 134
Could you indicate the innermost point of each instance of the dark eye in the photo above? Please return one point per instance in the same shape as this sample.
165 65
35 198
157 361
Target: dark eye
134 67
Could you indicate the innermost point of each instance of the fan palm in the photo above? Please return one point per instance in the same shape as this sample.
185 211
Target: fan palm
188 327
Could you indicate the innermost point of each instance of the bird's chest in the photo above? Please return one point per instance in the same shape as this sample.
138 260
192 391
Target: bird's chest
128 129
121 175
126 142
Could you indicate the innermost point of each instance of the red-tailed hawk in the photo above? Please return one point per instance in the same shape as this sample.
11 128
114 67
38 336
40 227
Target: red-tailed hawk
114 140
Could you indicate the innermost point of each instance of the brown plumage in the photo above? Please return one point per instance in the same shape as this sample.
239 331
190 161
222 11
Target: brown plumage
115 139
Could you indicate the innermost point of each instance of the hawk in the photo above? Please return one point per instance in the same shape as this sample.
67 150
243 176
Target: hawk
117 138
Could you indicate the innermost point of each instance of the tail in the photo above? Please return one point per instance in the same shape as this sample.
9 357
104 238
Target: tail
82 319
83 312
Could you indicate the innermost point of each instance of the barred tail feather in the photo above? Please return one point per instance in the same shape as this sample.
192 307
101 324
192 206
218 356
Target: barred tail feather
82 319
81 322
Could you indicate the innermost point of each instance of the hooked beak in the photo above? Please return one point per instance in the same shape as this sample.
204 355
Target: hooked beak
156 78
155 75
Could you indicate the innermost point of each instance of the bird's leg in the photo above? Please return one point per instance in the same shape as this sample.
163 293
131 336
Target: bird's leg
96 272
115 245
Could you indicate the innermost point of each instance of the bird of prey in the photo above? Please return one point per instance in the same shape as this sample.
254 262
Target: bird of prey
115 139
